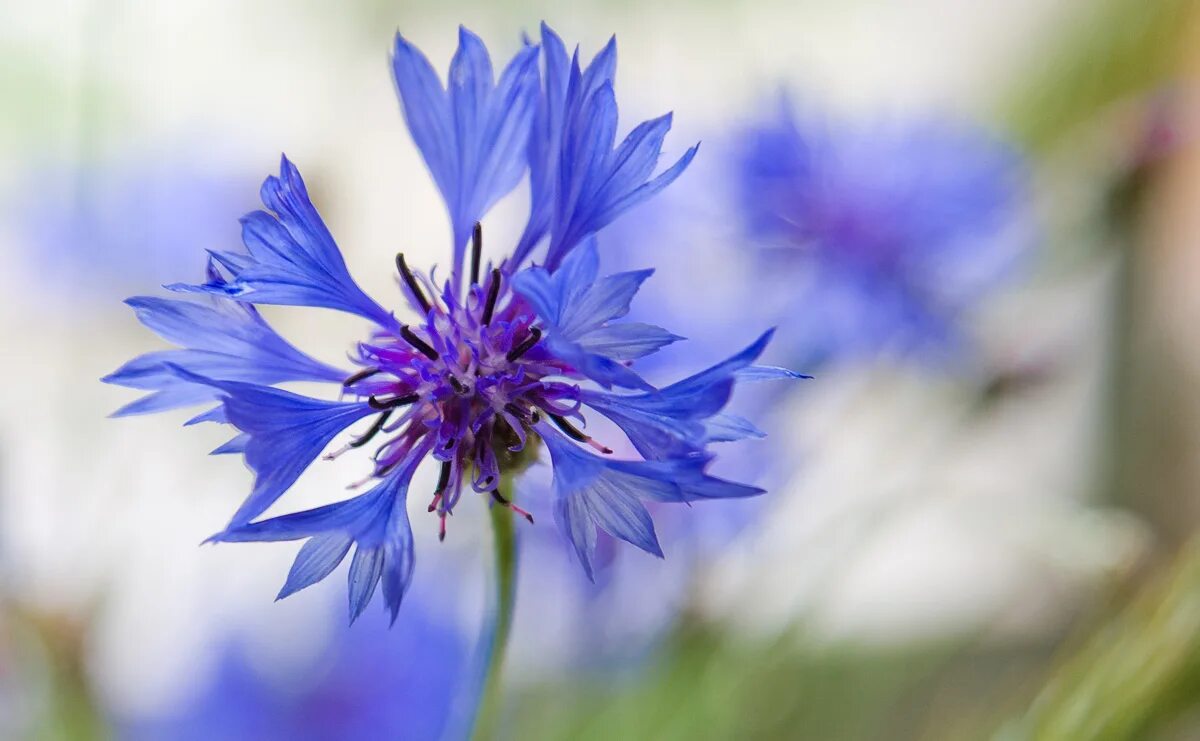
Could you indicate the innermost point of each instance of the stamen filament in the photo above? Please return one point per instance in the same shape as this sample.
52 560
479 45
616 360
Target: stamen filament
476 252
410 280
421 345
489 306
356 377
380 421
574 433
535 334
399 401
502 501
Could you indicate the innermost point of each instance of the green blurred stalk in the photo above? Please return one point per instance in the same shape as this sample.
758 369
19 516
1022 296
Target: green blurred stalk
1135 675
504 542
1112 50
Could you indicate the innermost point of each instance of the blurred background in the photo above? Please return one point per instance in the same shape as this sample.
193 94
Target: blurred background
975 224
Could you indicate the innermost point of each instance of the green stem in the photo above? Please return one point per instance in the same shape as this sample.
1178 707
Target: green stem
505 546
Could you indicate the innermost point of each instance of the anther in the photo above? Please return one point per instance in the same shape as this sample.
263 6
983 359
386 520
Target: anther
399 401
450 443
355 378
380 421
442 527
489 307
457 385
503 502
411 281
421 345
476 251
535 334
574 433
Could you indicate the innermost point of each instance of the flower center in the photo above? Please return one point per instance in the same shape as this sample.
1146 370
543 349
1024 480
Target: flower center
470 382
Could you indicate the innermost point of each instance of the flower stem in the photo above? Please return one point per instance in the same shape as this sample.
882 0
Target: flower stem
505 548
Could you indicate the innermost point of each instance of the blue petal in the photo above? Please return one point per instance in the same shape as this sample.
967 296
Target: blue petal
587 143
236 445
474 135
365 572
753 373
376 522
225 341
426 112
674 421
628 341
317 559
287 432
544 143
293 259
593 492
579 183
576 308
723 428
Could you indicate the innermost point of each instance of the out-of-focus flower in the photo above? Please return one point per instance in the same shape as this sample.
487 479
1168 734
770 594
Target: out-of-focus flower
495 358
102 229
887 230
367 684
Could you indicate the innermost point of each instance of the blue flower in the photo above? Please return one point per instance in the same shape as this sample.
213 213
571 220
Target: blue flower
96 231
364 685
492 361
892 229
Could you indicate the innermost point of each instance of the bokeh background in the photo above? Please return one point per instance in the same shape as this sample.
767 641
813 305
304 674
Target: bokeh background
980 523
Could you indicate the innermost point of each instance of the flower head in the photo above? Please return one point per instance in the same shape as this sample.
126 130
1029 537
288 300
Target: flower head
897 226
487 363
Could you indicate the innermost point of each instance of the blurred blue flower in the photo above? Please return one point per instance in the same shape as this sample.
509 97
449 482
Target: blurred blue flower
887 231
104 228
367 684
495 358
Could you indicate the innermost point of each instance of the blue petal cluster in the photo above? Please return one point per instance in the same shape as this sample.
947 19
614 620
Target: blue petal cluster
492 361
887 230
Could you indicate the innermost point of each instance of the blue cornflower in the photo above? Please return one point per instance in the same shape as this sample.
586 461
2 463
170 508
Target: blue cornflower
365 685
492 360
103 228
887 230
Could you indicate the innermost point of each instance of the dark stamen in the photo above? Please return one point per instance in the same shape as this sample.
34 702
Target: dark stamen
496 495
493 292
411 281
476 252
388 468
456 384
443 478
535 334
355 378
399 401
450 443
418 343
515 410
380 421
574 433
